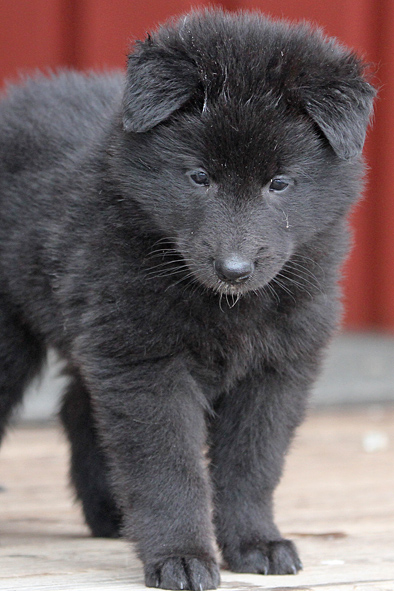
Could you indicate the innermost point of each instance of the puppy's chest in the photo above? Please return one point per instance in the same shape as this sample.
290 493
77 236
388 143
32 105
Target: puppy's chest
223 350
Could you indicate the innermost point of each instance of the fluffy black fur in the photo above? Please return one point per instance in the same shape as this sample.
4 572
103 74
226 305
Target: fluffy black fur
176 236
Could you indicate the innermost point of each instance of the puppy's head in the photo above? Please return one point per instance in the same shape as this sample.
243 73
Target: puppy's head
242 140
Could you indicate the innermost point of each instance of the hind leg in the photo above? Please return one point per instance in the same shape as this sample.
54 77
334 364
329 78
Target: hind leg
21 356
88 471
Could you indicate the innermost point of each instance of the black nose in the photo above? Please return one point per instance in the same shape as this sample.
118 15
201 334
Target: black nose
233 269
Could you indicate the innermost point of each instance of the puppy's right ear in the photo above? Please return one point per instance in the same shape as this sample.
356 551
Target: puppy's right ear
158 83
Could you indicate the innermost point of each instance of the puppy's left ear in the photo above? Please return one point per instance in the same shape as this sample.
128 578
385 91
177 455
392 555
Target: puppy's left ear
341 105
158 83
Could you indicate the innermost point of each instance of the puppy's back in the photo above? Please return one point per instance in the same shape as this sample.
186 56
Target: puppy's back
45 118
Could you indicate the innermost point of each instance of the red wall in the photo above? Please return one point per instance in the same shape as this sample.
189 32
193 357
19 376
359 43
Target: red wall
97 33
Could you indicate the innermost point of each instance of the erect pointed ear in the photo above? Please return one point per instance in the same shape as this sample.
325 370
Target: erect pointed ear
158 83
341 105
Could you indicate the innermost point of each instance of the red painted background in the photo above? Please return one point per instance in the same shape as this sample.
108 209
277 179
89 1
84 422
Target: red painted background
97 33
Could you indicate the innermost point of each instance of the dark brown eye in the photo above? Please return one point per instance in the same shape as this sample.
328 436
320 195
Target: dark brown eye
199 177
278 185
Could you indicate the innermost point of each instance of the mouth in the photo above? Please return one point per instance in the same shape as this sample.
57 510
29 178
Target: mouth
229 293
231 288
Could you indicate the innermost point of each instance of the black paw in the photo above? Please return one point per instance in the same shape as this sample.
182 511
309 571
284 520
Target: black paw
267 558
179 572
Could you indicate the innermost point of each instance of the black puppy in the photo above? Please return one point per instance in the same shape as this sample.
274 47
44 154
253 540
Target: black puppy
176 236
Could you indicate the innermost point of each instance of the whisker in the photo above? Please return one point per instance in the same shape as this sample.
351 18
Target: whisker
294 282
184 278
236 297
165 273
284 287
303 273
299 275
164 265
220 301
298 265
302 257
303 268
161 253
167 239
272 292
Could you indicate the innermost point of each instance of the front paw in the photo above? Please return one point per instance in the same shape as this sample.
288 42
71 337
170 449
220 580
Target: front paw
278 557
183 572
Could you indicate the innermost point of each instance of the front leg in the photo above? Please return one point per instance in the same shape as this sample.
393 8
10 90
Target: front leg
249 438
152 424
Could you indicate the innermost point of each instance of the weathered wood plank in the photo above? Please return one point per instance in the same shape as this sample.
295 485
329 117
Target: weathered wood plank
336 501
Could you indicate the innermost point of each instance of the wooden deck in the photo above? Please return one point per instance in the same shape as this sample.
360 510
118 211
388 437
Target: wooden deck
336 501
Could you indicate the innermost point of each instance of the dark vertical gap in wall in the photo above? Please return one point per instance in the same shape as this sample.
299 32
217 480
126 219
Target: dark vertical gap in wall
71 31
